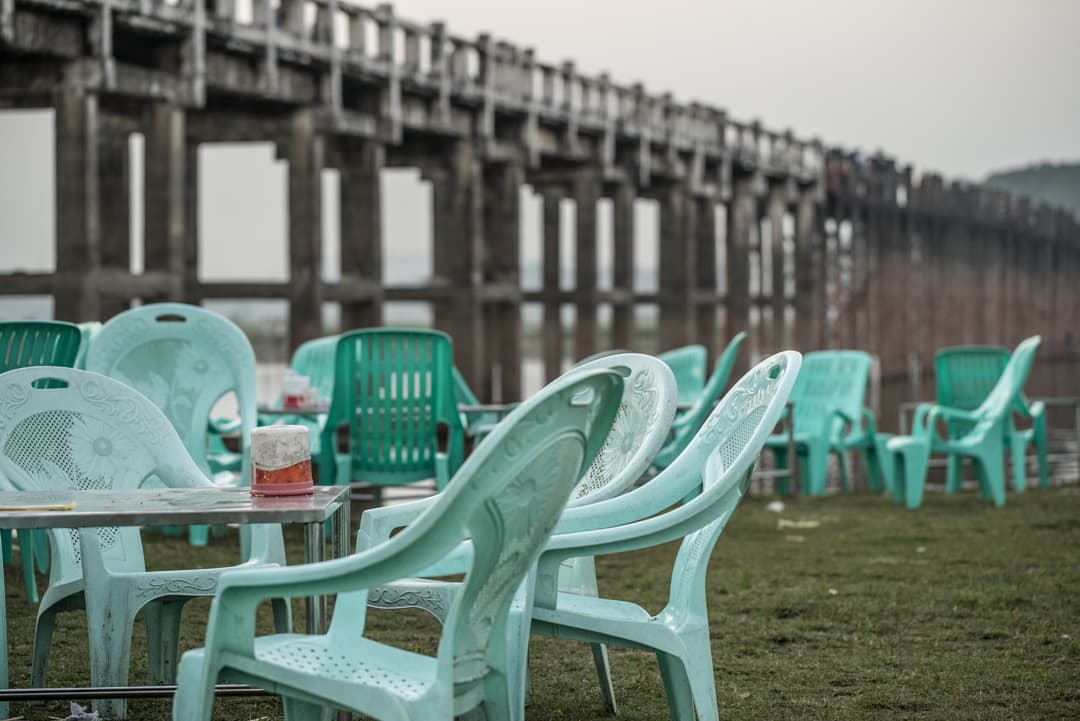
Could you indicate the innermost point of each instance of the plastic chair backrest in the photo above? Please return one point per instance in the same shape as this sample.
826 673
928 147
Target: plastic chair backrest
315 359
965 375
393 388
62 428
1011 383
830 380
507 498
25 343
463 394
688 365
646 411
184 359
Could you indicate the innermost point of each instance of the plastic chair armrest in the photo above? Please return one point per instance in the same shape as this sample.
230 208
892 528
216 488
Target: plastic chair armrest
376 524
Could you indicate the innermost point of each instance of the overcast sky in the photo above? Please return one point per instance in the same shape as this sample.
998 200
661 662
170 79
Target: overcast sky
959 86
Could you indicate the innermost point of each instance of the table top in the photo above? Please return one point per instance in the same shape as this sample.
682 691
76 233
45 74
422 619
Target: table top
168 506
298 411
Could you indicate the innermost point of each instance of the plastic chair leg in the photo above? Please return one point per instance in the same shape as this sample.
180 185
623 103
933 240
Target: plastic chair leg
782 486
875 476
43 632
1019 462
680 697
1039 439
954 473
5 544
815 467
199 535
297 710
163 638
27 540
841 460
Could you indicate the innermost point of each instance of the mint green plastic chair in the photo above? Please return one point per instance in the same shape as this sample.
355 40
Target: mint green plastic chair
686 424
982 435
507 497
24 344
965 376
88 330
646 410
394 392
719 461
830 417
72 429
688 364
183 358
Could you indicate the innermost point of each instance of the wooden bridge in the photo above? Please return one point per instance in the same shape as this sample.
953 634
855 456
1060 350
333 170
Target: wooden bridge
804 244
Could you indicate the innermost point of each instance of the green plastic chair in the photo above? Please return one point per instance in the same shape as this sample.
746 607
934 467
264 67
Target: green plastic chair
88 330
830 417
719 461
24 344
688 364
982 435
507 497
646 410
688 423
393 390
183 358
72 429
477 424
965 376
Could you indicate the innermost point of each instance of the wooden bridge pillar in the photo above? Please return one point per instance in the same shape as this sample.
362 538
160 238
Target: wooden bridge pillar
551 350
702 274
742 216
78 227
586 189
190 243
775 331
457 242
164 199
114 187
677 257
502 235
810 304
360 210
305 157
622 315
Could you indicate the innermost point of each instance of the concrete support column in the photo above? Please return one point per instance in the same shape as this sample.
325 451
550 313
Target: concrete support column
305 157
114 186
78 223
704 275
622 316
502 229
458 233
164 200
552 330
360 210
677 256
586 190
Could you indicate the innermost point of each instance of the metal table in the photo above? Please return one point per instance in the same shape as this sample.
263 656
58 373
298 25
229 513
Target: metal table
171 507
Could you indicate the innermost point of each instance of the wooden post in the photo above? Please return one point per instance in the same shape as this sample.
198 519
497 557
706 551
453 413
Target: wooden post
622 316
777 209
164 202
552 333
809 271
502 228
361 234
190 251
78 227
305 155
677 256
704 274
114 184
458 264
741 217
586 189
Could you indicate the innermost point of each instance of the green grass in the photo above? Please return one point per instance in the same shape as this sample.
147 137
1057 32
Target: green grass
957 611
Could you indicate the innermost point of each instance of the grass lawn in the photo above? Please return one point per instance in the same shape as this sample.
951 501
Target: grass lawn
956 611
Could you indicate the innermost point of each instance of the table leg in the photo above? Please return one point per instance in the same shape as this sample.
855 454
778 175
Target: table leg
341 543
314 606
3 644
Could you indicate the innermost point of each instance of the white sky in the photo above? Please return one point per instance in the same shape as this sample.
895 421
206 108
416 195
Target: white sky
957 86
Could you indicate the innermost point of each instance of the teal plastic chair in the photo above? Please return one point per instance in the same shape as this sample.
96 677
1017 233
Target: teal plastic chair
183 358
688 364
477 424
719 461
646 410
507 497
72 429
24 344
88 330
830 417
982 435
394 392
965 376
688 423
